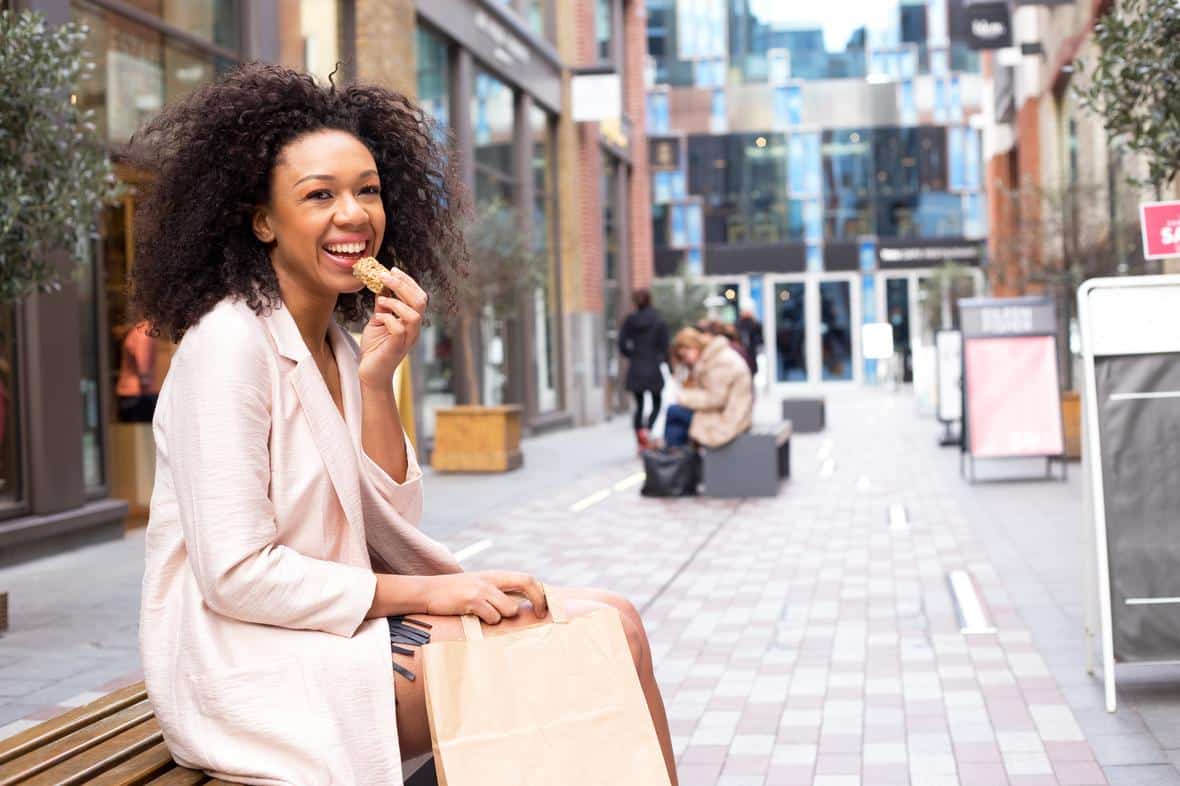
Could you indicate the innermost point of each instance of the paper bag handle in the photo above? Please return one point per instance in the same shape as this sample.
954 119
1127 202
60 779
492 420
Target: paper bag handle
473 632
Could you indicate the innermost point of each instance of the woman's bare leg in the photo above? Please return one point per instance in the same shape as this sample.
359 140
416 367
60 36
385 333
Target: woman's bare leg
413 727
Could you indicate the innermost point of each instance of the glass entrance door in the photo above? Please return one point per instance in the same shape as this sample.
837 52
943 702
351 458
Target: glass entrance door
789 324
814 327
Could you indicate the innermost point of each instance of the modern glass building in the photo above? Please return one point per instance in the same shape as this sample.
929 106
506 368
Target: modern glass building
817 162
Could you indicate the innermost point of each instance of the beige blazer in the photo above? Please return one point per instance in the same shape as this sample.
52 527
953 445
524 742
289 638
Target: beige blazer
723 398
267 523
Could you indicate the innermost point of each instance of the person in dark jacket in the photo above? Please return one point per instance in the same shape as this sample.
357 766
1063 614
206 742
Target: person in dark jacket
750 333
643 340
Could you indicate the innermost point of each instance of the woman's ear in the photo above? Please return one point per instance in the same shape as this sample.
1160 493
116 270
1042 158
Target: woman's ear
260 222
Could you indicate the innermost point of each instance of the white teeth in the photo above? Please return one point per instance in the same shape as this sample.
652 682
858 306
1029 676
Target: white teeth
345 248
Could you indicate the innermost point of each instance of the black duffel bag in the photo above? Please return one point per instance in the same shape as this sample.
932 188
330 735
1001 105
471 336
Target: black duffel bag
671 472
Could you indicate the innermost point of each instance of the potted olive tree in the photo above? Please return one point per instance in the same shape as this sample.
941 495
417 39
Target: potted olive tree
54 170
505 270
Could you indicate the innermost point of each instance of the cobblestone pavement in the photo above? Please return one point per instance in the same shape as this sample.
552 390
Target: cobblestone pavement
801 640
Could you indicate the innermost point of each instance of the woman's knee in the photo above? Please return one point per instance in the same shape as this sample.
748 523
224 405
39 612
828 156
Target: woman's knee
632 625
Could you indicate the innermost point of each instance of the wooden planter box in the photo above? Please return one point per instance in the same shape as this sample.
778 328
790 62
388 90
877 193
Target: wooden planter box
1071 416
477 439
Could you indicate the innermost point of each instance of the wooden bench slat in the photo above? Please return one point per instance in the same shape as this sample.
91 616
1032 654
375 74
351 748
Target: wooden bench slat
97 760
64 748
156 760
71 721
179 776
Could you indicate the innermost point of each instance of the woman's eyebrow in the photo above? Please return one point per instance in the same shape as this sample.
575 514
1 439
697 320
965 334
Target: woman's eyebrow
363 175
315 177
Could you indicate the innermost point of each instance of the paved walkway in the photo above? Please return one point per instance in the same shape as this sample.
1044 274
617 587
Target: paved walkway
799 640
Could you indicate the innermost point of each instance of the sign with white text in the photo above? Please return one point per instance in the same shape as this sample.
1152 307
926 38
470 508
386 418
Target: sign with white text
1161 229
989 25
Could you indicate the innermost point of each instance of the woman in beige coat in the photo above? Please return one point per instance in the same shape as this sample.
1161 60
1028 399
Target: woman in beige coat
283 529
717 402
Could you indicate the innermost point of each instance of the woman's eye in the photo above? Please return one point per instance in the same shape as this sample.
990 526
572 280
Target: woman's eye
320 194
371 190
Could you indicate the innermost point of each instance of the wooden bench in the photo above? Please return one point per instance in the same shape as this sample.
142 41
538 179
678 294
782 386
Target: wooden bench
752 465
114 741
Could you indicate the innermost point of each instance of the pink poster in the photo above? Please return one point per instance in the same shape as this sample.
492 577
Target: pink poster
1013 403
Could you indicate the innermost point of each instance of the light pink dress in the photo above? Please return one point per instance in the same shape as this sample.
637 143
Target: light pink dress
267 523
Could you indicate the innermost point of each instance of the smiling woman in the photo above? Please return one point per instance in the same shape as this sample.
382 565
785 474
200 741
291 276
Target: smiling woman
283 549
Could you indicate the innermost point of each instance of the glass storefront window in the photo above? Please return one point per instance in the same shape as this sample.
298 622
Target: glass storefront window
434 76
603 13
790 331
93 470
536 17
545 301
493 116
11 476
217 21
137 71
316 49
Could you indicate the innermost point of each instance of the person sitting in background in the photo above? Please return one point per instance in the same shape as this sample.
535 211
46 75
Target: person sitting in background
715 327
716 404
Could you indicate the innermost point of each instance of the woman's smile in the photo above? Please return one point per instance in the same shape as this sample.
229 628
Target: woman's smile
346 251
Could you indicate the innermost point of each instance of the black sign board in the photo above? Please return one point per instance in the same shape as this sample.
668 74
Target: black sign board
989 25
1131 347
914 252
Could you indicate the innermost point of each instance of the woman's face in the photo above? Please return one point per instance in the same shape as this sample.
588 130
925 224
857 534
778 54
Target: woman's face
688 355
325 212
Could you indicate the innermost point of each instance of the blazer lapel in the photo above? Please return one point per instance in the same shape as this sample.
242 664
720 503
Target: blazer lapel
330 433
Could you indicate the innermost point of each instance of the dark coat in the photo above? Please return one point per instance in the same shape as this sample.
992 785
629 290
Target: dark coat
644 341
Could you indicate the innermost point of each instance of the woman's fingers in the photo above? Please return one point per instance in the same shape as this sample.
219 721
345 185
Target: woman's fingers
488 613
406 289
525 585
507 606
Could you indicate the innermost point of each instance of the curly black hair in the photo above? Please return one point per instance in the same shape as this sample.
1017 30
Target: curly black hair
211 156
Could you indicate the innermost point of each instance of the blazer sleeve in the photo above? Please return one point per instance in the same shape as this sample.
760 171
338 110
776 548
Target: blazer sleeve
219 420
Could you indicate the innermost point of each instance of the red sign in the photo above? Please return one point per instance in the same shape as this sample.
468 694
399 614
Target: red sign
1161 229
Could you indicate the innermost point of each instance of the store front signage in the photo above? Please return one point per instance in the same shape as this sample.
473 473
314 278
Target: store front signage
508 48
898 254
1161 229
989 26
1008 317
489 33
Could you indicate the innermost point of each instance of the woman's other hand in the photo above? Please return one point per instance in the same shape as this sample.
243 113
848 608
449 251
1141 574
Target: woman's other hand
391 332
486 594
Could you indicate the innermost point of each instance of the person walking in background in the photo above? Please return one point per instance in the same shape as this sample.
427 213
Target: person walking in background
136 388
643 340
717 402
750 334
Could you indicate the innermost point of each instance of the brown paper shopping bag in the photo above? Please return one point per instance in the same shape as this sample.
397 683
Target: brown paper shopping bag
551 705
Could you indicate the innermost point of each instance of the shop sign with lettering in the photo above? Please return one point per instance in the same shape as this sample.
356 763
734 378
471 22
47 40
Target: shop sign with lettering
1161 229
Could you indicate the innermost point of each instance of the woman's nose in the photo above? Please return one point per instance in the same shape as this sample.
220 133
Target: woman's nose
349 210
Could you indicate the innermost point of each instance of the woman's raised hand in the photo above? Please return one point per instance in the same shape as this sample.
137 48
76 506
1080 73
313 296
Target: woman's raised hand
487 594
391 332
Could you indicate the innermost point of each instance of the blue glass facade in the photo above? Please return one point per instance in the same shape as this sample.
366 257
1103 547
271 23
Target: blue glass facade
803 162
